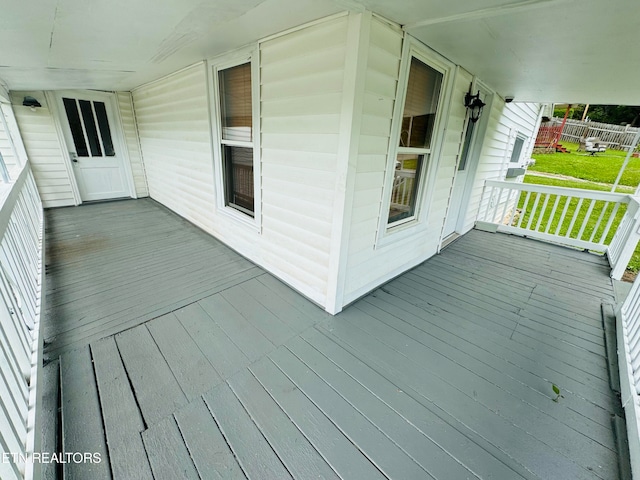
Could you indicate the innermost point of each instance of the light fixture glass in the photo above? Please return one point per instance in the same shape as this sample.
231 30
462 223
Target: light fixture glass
474 104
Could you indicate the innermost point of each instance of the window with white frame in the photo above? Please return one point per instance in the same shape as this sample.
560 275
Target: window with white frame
422 96
236 137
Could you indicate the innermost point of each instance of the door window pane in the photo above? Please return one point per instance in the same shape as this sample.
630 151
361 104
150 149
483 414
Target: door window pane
235 103
421 103
75 126
90 128
405 186
105 131
238 167
466 146
517 150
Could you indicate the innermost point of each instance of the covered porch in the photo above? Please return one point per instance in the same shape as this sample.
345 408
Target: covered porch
177 358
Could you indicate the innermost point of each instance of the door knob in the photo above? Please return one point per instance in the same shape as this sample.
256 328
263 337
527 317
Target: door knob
74 157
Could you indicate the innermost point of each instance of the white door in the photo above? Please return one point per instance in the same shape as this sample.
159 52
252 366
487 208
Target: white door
463 181
95 146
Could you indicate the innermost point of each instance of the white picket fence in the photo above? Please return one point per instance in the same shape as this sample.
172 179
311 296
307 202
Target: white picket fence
21 281
574 217
616 136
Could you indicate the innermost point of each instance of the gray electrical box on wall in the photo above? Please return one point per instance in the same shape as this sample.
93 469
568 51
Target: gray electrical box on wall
515 172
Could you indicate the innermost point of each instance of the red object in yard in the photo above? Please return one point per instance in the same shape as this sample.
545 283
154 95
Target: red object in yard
548 137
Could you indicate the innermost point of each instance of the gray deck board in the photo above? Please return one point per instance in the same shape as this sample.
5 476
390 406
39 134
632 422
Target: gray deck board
390 458
121 416
209 450
266 322
490 425
452 437
489 386
50 411
245 335
189 365
529 376
222 353
339 452
181 357
293 449
422 450
506 327
256 456
79 400
168 455
156 389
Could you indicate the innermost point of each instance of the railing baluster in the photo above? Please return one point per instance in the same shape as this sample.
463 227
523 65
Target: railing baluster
496 205
503 217
574 217
605 207
553 214
607 228
533 211
542 212
563 215
523 211
586 219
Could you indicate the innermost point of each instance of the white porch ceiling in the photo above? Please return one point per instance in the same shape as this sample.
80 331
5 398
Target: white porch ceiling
536 50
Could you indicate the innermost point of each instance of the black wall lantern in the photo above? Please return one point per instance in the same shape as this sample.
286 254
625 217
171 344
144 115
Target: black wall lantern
474 104
31 102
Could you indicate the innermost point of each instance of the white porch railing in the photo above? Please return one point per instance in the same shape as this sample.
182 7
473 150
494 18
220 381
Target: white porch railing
628 333
584 219
402 191
21 279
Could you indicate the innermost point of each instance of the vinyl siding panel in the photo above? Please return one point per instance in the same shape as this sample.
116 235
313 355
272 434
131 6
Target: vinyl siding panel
302 77
132 143
369 264
44 151
301 82
175 139
507 119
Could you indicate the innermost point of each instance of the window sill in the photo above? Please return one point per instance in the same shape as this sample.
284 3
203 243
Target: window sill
399 232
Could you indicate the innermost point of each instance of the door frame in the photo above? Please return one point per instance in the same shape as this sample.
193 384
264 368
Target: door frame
54 99
477 144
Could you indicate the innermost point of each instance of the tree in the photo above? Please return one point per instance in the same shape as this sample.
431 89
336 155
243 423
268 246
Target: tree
614 114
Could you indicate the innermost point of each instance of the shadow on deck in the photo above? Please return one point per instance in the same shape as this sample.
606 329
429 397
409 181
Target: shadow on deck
177 358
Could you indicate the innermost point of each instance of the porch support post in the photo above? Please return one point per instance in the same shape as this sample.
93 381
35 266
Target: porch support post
351 118
626 161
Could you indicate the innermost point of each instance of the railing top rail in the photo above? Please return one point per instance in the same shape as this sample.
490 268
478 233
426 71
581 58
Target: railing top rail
8 199
573 192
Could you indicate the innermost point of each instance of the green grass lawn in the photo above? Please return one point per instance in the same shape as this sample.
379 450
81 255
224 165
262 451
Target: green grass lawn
602 168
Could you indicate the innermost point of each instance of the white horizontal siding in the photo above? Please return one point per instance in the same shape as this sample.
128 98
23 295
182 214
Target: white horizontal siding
506 120
302 77
368 265
301 82
132 143
44 151
173 126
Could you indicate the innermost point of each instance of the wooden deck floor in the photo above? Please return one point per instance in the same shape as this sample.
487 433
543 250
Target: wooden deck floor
445 372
